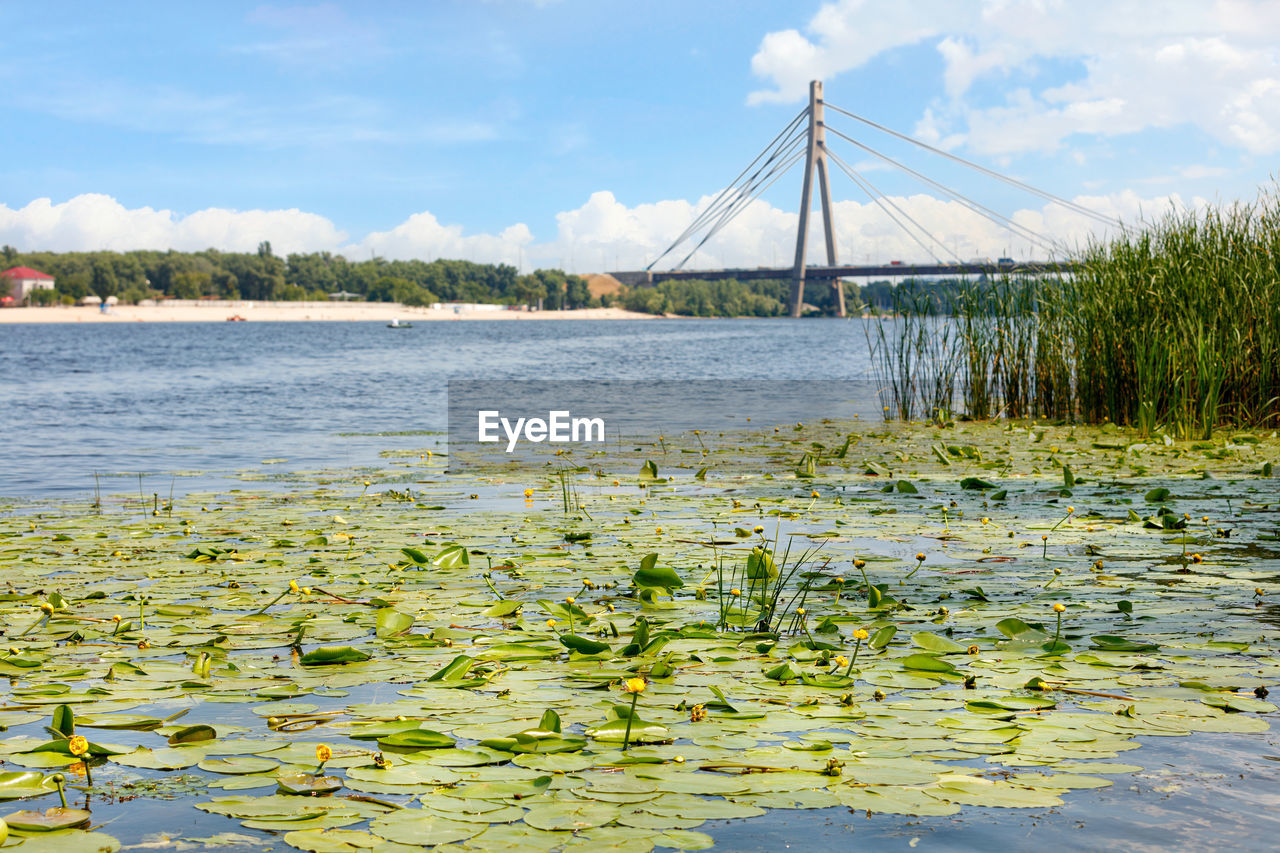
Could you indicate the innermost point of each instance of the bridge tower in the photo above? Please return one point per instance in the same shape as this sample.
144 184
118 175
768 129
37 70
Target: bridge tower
816 159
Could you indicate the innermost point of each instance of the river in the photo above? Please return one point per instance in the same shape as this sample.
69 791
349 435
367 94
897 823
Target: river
186 405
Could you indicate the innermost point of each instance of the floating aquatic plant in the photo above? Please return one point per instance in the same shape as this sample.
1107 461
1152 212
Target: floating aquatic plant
444 670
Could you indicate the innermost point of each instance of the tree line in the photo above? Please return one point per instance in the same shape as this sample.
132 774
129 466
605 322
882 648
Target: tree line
263 276
768 297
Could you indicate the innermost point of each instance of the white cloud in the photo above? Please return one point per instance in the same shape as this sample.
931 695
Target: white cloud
845 34
1212 64
601 234
93 221
422 236
763 235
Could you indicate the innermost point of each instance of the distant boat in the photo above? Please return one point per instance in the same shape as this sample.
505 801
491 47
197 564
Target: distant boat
396 324
235 318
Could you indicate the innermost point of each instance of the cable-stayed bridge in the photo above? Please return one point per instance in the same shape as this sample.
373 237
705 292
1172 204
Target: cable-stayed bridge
805 139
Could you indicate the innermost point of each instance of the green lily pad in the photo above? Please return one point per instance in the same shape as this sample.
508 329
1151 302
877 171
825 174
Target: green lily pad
330 655
421 828
416 738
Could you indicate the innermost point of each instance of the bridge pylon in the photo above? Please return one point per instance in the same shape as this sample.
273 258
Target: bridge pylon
815 161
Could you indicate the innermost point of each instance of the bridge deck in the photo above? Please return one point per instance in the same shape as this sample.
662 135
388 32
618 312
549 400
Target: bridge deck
645 277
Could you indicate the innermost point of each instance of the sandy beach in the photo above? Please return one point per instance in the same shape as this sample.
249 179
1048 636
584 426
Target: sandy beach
220 311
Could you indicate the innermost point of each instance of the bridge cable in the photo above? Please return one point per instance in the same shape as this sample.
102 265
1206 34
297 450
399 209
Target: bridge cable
1027 234
1023 231
1048 196
784 140
880 199
744 201
724 198
780 161
730 205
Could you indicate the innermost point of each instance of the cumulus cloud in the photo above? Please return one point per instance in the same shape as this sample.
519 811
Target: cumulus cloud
1212 64
93 221
422 236
844 35
601 234
764 235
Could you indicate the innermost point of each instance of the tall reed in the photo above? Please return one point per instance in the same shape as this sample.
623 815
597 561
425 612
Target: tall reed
915 356
1175 326
1178 326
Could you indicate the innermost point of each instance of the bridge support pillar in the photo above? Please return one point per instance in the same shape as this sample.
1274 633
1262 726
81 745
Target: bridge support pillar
816 160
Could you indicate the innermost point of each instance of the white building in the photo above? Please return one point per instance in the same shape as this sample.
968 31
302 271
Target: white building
22 281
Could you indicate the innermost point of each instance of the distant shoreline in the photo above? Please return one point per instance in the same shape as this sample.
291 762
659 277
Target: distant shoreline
275 312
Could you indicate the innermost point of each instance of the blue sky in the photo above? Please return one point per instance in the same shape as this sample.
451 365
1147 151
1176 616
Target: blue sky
586 134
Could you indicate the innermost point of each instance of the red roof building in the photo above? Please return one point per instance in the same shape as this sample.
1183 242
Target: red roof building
22 281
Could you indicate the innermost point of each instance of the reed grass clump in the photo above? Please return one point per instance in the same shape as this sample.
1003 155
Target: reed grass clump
1179 325
916 356
1173 327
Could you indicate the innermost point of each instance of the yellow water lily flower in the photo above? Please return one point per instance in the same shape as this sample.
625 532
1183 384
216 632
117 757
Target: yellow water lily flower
861 634
323 752
634 685
78 745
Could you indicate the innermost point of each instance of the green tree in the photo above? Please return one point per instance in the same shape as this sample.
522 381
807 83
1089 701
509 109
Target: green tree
226 284
577 294
190 285
103 283
529 289
129 272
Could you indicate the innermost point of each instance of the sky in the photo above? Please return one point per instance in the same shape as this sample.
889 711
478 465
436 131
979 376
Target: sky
587 134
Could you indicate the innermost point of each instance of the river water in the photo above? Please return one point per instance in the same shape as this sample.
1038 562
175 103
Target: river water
204 400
